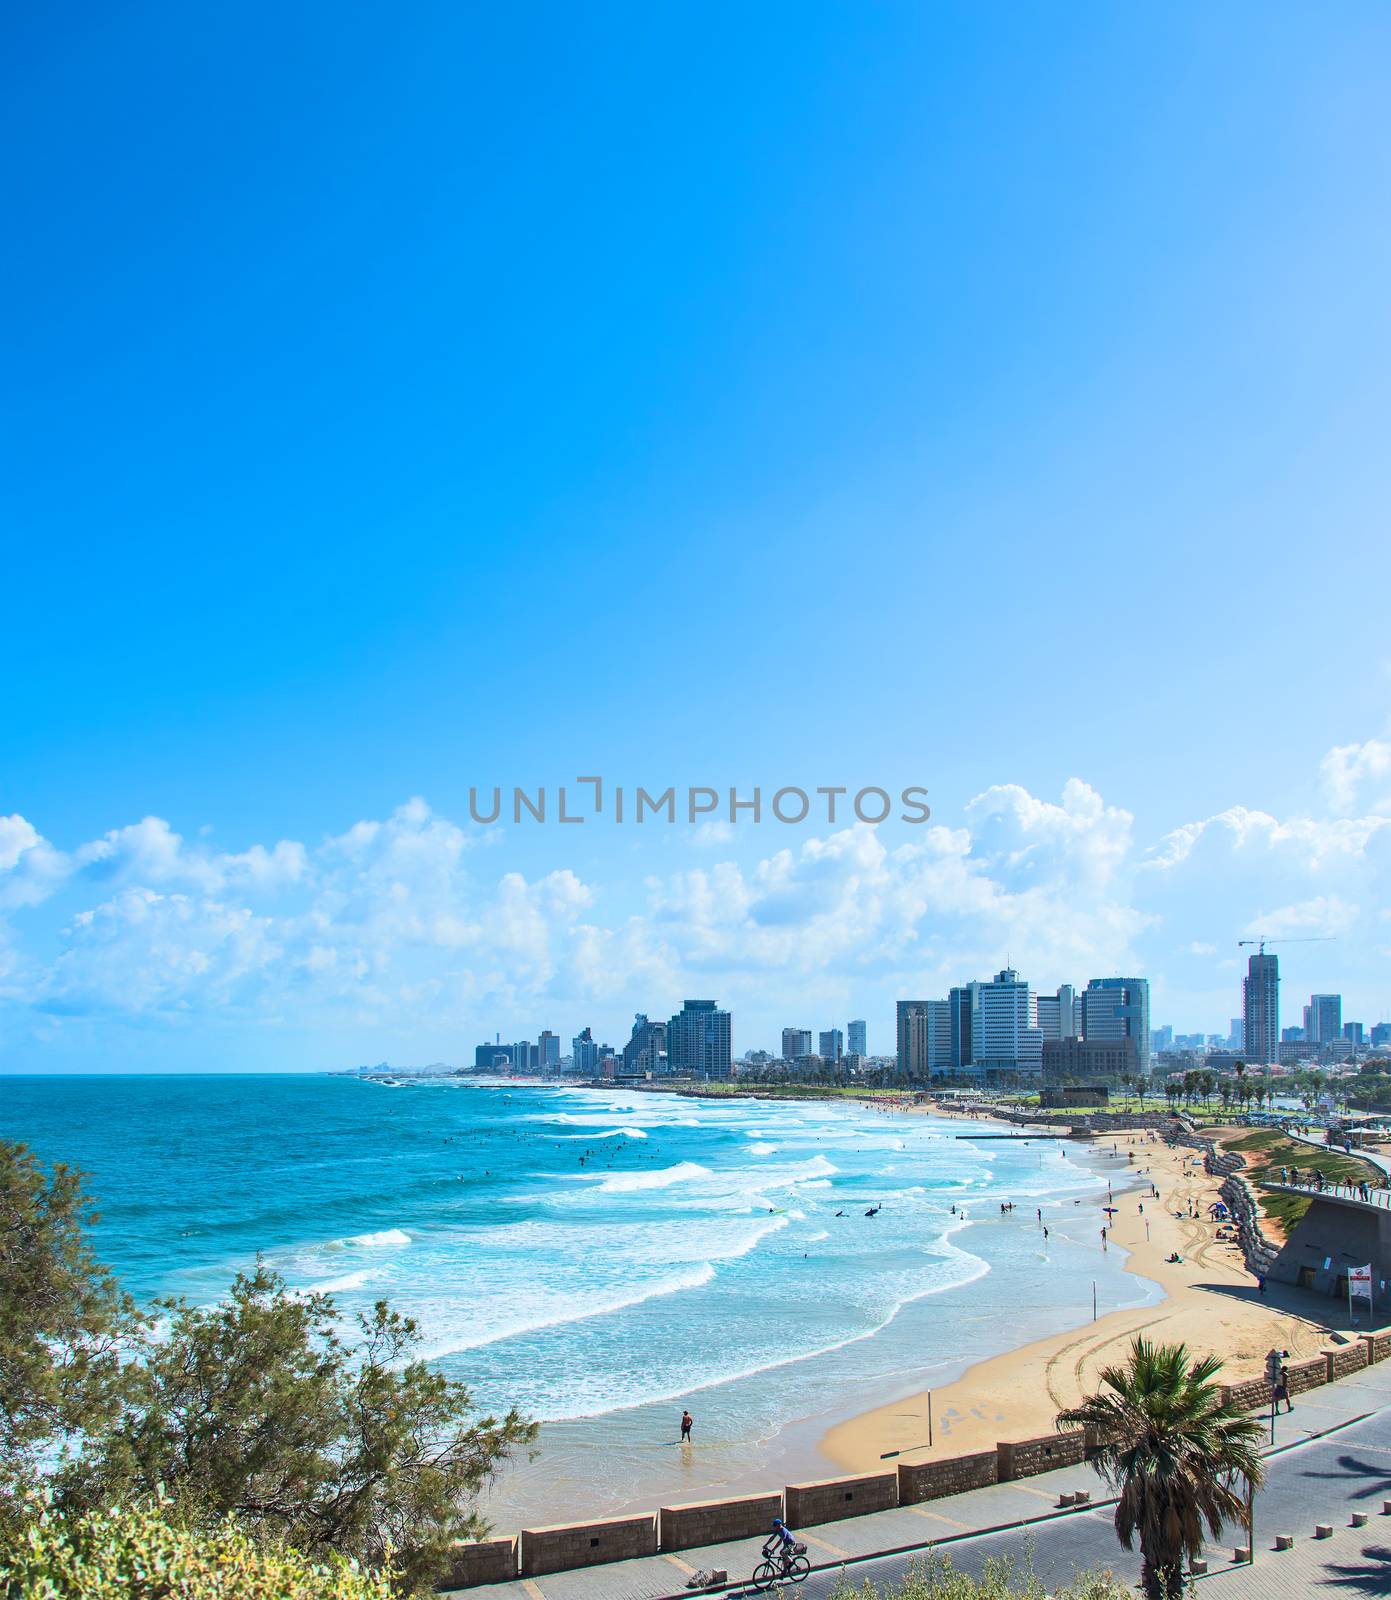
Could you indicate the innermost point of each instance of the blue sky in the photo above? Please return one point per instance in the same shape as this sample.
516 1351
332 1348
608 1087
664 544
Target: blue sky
995 401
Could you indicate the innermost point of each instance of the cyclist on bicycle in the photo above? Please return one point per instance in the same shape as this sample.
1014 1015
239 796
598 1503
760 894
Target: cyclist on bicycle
780 1541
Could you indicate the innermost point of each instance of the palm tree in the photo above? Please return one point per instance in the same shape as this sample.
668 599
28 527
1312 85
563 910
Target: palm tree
1180 1456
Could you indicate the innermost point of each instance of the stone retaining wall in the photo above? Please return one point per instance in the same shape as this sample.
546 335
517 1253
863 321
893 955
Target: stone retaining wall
1378 1346
1252 1395
486 1561
586 1544
833 1498
1310 1374
1351 1358
1024 1457
930 1480
715 1521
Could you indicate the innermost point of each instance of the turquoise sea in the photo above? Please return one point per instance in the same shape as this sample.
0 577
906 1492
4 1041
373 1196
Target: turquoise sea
602 1259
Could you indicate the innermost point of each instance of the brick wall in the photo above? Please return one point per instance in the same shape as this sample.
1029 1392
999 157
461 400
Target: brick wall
584 1544
1378 1346
1351 1358
1024 1457
714 1521
487 1561
930 1480
1252 1395
833 1498
1311 1374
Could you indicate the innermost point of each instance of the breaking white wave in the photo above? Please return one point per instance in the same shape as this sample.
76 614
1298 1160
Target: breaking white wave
609 1133
384 1239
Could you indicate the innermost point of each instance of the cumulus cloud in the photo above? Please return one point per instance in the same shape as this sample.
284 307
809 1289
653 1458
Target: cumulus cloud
404 917
1358 775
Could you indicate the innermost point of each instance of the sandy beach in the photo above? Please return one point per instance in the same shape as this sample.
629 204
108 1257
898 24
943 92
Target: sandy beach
1211 1303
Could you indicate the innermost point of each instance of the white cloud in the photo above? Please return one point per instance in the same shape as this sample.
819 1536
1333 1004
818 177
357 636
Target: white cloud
1326 916
1356 775
403 920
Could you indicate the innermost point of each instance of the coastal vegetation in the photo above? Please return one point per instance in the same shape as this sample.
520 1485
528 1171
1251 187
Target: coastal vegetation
935 1578
310 1436
141 1552
1181 1457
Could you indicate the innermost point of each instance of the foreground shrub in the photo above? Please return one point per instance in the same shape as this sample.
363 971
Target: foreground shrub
136 1553
934 1578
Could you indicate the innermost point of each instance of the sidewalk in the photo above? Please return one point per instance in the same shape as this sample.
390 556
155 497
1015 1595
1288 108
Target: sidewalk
1315 1475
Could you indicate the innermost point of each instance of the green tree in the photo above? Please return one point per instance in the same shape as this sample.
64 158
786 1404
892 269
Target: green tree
1180 1457
65 1327
262 1410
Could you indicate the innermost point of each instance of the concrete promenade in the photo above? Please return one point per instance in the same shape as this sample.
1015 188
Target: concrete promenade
1372 1157
1332 1458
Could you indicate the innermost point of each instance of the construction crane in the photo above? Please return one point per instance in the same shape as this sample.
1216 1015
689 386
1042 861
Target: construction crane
1310 938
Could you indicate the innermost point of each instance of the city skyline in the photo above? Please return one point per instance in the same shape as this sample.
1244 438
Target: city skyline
997 1029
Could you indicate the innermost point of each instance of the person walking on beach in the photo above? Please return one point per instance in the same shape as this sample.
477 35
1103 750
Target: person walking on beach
687 1421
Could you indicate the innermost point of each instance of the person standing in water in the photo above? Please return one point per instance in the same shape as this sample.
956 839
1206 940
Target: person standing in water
687 1420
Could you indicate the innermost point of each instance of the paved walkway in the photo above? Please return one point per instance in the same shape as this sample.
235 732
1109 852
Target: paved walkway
1372 1157
1332 1456
1374 1199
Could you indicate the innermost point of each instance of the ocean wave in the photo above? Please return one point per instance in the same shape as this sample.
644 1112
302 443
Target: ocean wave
343 1284
385 1239
662 1178
762 1149
609 1133
549 1310
970 1269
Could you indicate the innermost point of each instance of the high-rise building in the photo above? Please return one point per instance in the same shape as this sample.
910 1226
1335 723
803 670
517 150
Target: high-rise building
1353 1032
858 1035
646 1050
1381 1034
1237 1037
906 1011
831 1045
1161 1038
1323 1018
548 1050
700 1041
1119 1008
960 1007
584 1053
924 1038
1005 1040
1057 1013
795 1042
1260 1008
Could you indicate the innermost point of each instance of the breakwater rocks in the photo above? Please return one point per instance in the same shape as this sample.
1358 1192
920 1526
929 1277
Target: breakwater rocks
1257 1251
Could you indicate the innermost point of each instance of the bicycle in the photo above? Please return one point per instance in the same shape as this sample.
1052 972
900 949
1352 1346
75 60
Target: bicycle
781 1568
